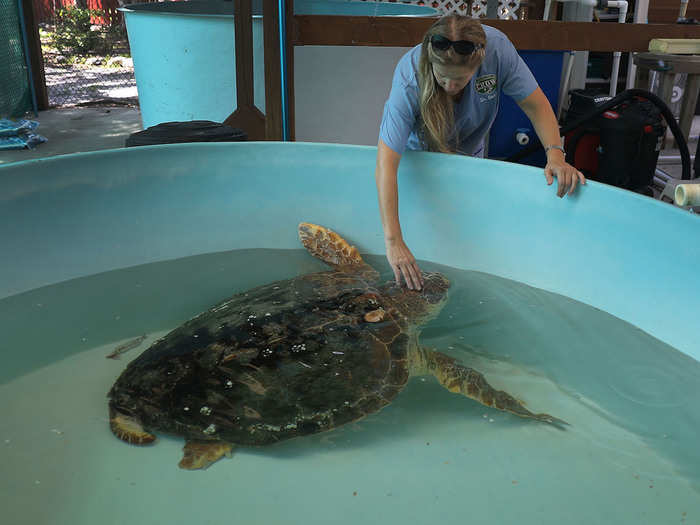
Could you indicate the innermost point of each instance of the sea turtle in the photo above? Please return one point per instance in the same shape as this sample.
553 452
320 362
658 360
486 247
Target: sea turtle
290 358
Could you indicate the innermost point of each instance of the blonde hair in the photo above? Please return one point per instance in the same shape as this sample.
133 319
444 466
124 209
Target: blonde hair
436 106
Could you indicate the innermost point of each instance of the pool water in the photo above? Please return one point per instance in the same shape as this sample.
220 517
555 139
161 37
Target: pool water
629 456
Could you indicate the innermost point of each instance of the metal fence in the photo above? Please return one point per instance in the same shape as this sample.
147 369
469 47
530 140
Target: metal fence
503 9
86 61
104 73
44 10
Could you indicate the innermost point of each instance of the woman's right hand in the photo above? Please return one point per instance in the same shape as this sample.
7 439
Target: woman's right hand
403 264
400 257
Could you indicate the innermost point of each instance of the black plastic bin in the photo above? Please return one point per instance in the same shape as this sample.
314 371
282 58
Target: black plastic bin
191 131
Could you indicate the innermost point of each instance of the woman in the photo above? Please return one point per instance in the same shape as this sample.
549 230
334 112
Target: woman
444 97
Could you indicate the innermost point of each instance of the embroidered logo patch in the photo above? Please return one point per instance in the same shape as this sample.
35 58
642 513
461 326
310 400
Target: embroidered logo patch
486 84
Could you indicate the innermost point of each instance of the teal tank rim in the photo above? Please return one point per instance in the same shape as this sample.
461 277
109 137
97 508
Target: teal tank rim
191 8
533 171
224 8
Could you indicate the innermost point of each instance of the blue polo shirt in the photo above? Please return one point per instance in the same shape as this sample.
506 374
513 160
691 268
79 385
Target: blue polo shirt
501 71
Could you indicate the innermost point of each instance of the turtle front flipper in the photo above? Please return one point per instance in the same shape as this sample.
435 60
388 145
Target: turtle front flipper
468 382
335 251
201 454
128 428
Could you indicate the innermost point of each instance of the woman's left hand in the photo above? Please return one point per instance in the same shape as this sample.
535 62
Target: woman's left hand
567 176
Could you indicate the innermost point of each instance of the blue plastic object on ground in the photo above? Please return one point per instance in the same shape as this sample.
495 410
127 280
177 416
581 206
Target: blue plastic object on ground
19 134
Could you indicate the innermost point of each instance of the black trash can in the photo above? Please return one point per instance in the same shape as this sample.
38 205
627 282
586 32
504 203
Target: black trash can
191 131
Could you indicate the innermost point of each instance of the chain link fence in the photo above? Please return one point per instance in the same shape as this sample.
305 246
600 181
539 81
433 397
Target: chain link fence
504 9
87 59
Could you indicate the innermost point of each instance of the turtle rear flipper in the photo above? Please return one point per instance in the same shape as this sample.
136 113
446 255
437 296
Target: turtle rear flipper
468 382
335 251
201 454
128 428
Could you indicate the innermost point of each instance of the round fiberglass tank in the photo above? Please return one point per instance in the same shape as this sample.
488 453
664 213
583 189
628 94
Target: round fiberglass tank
193 76
184 60
584 307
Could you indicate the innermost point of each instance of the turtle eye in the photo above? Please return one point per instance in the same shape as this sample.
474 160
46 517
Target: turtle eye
364 303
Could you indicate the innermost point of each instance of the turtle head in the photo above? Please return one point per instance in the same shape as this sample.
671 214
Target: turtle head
419 306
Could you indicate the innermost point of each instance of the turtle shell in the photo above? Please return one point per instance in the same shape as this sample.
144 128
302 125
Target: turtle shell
282 360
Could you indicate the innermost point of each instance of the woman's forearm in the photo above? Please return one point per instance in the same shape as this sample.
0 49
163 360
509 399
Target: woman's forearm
387 190
539 111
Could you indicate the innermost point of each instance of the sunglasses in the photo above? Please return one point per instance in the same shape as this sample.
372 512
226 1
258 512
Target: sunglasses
463 47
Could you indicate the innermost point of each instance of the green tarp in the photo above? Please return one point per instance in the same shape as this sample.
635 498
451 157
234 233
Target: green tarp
15 91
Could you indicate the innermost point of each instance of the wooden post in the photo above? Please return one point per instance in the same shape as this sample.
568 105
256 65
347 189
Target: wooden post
273 71
246 116
641 78
291 36
36 58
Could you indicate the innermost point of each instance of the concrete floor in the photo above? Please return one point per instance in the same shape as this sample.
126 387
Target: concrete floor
79 129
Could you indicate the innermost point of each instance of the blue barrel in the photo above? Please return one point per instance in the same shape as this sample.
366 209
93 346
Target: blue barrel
547 68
